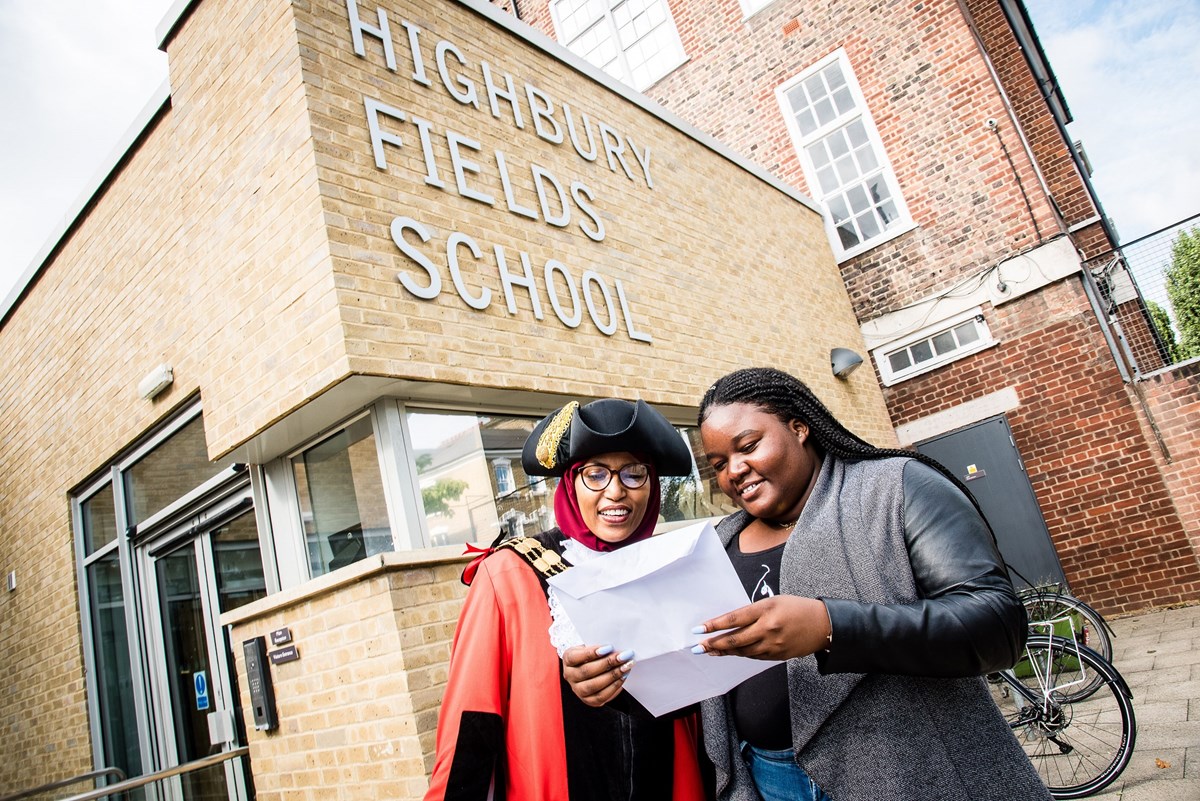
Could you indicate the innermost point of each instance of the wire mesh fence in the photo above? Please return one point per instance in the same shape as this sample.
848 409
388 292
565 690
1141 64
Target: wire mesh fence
1151 290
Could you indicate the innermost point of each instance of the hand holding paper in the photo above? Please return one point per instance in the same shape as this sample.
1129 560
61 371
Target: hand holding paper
647 598
780 627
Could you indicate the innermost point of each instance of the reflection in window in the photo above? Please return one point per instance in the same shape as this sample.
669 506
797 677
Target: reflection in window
170 471
118 722
465 462
99 518
238 562
504 476
342 504
697 496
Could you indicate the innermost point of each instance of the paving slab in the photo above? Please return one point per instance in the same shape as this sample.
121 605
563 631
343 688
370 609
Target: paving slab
1158 654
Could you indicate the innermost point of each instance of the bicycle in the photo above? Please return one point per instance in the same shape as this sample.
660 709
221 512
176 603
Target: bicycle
1087 626
1066 616
1078 745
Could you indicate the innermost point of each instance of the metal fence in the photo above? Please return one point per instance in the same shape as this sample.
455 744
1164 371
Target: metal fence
1132 284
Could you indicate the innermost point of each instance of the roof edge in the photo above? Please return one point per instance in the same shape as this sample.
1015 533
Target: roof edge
544 43
159 102
179 12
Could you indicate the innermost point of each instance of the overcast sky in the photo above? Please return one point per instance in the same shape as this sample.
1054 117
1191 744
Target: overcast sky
74 75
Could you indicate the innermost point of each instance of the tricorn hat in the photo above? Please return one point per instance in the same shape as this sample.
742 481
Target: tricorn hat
574 433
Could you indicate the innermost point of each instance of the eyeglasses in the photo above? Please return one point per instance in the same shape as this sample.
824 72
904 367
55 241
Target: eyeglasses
597 477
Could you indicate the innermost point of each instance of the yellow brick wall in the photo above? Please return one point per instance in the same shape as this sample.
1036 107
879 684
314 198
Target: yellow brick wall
207 238
245 241
72 353
722 270
358 709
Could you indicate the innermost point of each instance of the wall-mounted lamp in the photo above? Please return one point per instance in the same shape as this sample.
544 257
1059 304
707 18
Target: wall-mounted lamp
156 381
843 361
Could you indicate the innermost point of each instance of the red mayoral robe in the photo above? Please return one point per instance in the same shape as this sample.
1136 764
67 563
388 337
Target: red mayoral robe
511 729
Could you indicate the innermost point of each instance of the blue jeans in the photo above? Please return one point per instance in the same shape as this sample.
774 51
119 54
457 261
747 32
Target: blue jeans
779 777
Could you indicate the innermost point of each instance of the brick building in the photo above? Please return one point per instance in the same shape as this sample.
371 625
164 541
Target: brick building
273 373
968 237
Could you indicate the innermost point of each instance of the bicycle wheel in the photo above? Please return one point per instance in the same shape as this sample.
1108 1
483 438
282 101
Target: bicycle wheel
1088 625
1055 612
1078 747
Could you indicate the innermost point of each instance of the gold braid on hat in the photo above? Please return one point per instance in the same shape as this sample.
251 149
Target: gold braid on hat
548 442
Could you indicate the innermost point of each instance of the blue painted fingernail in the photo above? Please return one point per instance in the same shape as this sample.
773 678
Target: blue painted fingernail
699 630
697 648
625 656
604 650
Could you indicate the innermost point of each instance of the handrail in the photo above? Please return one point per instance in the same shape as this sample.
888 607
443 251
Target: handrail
82 777
166 773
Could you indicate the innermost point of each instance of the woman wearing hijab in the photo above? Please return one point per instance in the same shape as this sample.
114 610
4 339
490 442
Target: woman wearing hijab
509 726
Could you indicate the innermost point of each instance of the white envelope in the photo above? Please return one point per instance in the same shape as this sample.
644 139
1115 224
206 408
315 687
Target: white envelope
647 597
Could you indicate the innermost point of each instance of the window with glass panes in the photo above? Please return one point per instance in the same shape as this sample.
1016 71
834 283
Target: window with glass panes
749 7
104 604
339 487
632 40
842 156
140 491
459 457
948 342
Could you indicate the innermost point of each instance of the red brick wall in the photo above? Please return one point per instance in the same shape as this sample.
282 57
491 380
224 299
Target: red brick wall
1051 150
1095 474
1173 399
977 199
930 93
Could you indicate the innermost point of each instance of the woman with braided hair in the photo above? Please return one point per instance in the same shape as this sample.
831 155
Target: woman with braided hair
876 581
508 727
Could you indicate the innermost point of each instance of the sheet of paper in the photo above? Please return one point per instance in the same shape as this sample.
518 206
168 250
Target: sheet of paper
647 598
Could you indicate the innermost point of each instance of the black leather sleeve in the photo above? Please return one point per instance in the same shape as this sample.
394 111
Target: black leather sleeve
968 620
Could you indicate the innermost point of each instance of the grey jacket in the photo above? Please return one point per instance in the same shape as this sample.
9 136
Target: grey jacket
920 609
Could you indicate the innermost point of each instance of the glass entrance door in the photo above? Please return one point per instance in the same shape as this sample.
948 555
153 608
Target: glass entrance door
207 565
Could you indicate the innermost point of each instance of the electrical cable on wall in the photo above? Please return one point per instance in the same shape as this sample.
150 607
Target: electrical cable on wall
994 125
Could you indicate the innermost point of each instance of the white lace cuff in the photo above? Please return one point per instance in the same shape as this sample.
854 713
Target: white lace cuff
562 631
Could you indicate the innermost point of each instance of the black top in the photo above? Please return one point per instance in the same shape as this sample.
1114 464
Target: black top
760 703
978 622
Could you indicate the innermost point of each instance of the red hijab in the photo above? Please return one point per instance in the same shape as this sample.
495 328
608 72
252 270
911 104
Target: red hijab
570 520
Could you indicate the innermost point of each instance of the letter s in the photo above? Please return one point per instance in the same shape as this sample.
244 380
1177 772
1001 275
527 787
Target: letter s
579 191
399 226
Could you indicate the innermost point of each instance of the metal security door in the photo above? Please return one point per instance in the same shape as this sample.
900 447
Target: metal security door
985 458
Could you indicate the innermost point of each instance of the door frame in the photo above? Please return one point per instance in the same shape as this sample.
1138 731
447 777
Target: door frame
190 530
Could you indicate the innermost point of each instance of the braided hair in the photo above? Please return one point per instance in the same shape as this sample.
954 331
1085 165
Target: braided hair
788 398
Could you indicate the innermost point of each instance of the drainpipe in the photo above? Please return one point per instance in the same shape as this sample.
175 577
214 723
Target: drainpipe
1035 57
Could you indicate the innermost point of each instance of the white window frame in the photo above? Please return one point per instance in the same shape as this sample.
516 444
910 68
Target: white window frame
752 7
283 500
129 600
279 498
801 142
625 71
506 481
883 352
